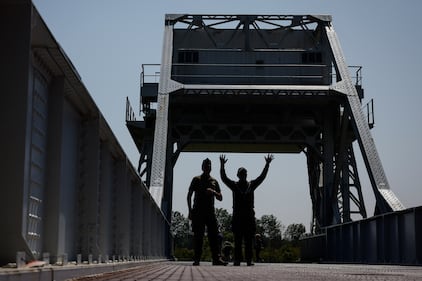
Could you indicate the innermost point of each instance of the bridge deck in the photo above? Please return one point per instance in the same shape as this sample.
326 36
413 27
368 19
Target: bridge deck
286 272
184 271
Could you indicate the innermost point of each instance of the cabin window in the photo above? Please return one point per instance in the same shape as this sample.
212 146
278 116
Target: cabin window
188 57
312 57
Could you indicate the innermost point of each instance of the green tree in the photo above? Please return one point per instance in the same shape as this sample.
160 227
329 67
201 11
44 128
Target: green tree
269 226
224 219
275 249
180 229
294 231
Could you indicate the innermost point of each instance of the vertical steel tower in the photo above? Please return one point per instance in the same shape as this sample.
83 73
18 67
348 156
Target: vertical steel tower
259 83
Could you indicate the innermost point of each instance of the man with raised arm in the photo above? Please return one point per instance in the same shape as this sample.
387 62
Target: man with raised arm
243 224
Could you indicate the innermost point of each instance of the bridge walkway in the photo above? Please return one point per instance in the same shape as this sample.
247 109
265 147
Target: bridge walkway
184 271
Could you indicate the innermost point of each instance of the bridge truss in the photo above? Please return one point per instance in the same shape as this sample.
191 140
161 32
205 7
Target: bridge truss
260 83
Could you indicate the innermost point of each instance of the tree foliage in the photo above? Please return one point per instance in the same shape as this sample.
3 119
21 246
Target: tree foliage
294 231
269 226
279 243
224 219
179 225
180 229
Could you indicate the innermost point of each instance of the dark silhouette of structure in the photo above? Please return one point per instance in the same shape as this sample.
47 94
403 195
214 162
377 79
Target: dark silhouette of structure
272 84
227 83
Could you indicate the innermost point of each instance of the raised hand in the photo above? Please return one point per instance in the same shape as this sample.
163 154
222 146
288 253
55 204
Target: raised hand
269 158
223 159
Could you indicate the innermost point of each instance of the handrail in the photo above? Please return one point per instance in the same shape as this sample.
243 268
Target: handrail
250 64
148 76
358 74
149 73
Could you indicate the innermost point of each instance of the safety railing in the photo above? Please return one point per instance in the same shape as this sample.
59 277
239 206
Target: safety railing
150 73
356 74
255 73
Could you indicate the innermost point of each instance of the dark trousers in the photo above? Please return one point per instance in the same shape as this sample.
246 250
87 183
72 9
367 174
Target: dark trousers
244 227
239 237
198 226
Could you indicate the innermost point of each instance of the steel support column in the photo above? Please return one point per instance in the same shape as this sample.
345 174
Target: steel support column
385 198
166 86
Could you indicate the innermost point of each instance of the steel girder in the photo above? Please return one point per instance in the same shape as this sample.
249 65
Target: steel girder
385 198
330 181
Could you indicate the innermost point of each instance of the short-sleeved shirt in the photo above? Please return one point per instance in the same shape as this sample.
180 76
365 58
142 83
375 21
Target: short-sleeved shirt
203 200
243 206
243 199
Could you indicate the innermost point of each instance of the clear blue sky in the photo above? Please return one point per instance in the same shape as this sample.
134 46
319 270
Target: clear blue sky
107 41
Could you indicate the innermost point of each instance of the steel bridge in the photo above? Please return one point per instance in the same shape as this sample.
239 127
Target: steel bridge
226 83
260 83
263 83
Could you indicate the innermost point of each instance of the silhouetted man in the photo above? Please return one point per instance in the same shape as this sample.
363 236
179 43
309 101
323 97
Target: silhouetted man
243 224
202 214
